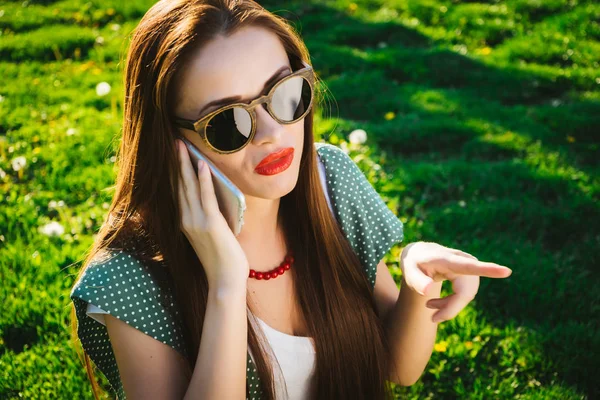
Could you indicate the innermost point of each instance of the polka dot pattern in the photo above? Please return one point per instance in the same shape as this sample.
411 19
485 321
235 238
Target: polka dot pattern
370 226
123 286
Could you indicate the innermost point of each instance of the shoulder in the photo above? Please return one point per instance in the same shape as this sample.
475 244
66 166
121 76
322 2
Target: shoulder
349 186
114 272
123 286
368 223
328 150
339 165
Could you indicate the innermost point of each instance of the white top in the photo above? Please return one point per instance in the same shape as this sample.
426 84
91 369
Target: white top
295 354
296 358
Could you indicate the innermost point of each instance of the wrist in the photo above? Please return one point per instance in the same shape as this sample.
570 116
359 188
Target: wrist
228 290
434 290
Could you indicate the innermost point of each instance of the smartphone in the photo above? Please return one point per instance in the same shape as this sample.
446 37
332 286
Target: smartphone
232 202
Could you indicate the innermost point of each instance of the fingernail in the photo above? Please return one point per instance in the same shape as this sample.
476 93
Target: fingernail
425 289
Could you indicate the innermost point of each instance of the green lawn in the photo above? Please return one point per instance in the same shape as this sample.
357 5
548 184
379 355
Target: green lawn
483 124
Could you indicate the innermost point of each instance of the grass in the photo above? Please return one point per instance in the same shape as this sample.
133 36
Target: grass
483 123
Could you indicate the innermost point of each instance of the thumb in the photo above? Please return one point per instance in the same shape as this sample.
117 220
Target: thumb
415 278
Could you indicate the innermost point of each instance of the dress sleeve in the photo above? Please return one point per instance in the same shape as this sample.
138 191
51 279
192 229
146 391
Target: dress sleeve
118 284
370 226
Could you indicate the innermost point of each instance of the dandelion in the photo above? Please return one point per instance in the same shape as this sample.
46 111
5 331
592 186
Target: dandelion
100 40
344 147
71 131
18 163
358 136
389 116
441 346
485 51
460 48
52 229
103 88
56 204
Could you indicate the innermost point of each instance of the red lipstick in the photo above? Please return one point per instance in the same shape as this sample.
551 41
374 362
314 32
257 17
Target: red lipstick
276 162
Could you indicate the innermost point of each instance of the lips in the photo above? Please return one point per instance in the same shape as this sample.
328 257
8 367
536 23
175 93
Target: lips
275 156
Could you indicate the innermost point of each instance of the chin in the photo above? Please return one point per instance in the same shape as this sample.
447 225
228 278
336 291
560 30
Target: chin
276 186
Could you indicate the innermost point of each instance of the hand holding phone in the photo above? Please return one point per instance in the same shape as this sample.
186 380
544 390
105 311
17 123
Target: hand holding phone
231 200
221 255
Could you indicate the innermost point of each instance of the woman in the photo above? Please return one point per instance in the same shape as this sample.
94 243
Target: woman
170 304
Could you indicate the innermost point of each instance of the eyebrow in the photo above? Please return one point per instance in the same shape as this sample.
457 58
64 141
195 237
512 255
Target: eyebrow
230 99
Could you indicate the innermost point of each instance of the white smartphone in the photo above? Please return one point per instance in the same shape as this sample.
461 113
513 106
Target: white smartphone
232 202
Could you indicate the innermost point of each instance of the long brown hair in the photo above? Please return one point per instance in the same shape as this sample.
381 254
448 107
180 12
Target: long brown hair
334 295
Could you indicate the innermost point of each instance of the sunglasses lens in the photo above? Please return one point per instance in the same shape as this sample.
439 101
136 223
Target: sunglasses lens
230 129
291 99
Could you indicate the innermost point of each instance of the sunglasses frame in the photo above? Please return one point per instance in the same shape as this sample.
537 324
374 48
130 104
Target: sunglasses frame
199 126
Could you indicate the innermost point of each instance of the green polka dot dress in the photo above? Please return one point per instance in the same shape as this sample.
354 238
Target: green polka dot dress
120 285
369 225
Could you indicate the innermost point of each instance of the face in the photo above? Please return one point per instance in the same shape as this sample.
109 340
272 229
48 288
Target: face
240 65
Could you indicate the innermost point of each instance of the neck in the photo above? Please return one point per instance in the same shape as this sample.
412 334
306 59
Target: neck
261 237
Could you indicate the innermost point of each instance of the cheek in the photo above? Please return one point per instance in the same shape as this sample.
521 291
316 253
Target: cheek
232 166
298 132
300 137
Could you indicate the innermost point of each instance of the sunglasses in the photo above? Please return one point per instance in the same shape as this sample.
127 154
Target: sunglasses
230 128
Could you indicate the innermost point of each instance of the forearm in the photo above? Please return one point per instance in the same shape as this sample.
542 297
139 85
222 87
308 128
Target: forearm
411 333
220 371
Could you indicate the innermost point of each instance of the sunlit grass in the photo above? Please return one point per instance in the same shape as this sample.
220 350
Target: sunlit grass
482 128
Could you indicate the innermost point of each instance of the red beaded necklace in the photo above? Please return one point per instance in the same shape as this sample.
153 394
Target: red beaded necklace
274 273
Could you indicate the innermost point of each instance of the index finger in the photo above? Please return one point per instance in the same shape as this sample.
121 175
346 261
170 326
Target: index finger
188 174
468 266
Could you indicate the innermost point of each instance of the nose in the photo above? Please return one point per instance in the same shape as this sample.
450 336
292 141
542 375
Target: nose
268 130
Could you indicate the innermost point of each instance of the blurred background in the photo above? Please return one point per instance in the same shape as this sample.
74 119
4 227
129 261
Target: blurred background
477 122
